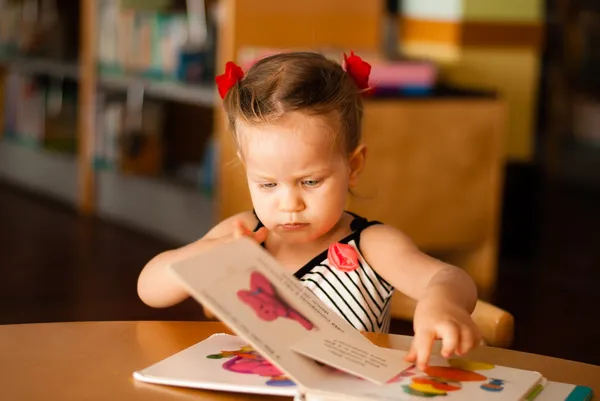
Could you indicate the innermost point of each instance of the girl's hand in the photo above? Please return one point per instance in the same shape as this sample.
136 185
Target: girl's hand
241 230
441 320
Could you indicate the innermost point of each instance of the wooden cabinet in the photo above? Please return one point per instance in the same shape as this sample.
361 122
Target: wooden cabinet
434 170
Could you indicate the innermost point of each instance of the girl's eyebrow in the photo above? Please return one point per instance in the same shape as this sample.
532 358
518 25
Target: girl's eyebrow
311 173
260 176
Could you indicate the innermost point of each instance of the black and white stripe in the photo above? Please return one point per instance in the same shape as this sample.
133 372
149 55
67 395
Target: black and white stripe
361 296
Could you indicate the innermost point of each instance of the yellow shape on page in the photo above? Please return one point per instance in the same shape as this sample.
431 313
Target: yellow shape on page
471 366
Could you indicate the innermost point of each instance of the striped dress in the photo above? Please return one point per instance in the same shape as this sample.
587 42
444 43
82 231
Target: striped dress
361 296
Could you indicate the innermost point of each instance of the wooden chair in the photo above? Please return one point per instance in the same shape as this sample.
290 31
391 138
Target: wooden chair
496 325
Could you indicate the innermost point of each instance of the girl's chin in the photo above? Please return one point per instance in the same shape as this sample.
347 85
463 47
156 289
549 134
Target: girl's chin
296 236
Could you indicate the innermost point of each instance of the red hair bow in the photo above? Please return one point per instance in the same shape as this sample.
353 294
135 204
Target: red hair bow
358 70
233 74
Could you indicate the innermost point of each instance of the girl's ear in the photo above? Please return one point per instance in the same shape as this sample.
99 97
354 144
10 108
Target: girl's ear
357 163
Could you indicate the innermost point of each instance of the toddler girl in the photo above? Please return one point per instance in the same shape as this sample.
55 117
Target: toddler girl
296 119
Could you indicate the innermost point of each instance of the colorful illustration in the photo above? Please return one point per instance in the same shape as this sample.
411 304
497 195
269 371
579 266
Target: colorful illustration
441 380
408 372
472 366
450 373
267 304
493 385
247 361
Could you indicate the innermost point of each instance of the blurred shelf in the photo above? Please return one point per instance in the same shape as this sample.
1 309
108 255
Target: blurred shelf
157 206
198 94
203 95
49 173
32 65
161 207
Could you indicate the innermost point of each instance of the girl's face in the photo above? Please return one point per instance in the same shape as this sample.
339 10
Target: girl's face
297 174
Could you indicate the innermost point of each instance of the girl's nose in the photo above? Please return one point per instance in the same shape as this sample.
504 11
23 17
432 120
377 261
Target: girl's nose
291 202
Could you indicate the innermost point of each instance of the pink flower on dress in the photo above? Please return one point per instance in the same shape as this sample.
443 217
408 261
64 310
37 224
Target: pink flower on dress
343 257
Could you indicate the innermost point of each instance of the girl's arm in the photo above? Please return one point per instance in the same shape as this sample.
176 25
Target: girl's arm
396 258
446 295
158 287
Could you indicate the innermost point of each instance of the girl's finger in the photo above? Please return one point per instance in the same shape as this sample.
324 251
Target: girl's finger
423 342
450 335
411 355
261 235
240 230
469 339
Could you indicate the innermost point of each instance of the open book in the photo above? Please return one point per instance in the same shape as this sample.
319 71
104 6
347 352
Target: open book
225 362
289 343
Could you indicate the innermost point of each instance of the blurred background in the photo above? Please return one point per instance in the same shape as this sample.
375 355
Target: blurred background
484 139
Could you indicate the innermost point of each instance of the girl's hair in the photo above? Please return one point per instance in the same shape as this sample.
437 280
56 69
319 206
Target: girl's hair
297 81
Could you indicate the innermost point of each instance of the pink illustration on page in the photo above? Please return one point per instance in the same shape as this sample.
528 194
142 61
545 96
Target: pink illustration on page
267 304
247 361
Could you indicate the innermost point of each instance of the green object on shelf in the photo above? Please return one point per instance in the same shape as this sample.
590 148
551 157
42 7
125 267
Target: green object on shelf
66 145
22 140
63 145
101 164
147 5
152 75
8 51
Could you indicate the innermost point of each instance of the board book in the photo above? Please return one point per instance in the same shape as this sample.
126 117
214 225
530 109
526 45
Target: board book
555 391
288 342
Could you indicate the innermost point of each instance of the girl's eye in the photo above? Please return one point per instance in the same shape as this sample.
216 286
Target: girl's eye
311 183
267 185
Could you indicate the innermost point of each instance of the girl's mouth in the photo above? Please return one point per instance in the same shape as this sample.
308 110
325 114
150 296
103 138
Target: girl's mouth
293 226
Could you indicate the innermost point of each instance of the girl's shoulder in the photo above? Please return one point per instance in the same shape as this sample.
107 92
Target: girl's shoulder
378 239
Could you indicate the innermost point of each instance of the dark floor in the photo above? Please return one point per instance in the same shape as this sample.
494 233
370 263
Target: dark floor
58 266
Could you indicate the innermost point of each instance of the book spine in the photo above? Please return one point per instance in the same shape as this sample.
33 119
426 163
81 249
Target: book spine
580 393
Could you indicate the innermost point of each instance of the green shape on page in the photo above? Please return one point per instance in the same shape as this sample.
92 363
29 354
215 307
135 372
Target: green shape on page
418 393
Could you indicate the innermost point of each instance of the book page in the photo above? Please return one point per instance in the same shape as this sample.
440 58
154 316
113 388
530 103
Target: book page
222 362
366 361
456 379
246 288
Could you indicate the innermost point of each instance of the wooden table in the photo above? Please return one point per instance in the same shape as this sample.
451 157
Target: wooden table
95 360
